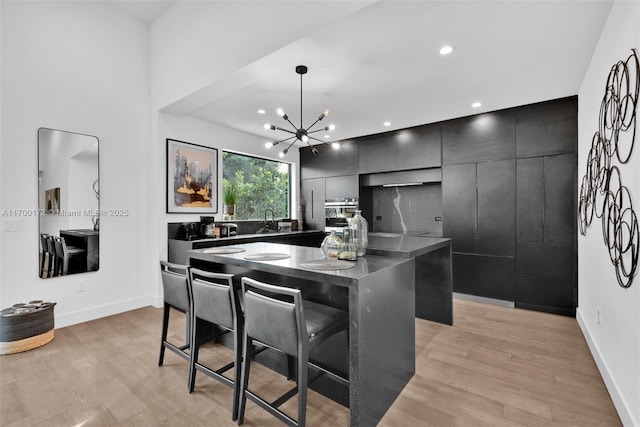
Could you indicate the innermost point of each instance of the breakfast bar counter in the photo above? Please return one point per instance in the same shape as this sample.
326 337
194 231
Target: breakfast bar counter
378 293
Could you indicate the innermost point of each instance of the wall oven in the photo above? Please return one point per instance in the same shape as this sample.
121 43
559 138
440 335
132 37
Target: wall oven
337 213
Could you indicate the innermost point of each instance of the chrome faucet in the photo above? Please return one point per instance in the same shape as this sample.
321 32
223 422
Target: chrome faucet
273 217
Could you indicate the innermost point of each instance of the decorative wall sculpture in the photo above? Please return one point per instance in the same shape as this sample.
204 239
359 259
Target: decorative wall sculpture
602 192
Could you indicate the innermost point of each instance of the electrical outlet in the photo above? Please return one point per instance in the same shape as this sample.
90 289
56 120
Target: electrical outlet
438 218
599 316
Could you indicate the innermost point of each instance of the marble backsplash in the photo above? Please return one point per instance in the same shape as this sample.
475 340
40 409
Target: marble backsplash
408 209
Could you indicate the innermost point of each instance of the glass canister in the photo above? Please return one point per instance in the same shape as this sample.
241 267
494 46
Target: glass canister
359 227
348 251
331 245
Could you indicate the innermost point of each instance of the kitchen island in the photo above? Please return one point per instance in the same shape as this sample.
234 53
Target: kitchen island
434 277
378 292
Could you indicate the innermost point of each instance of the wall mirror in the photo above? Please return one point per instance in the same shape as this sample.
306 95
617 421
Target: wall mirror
68 203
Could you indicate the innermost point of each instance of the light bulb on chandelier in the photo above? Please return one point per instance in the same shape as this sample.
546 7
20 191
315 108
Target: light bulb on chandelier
300 133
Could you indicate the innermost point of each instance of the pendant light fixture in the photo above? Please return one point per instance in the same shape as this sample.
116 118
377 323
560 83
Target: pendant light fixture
299 133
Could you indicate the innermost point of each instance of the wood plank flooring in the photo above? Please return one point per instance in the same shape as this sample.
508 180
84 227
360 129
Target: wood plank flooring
495 367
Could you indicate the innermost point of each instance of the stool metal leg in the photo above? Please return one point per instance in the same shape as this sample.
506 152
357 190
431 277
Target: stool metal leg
247 352
303 375
165 327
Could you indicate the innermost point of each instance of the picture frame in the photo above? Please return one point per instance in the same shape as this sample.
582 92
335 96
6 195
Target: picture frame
192 178
52 201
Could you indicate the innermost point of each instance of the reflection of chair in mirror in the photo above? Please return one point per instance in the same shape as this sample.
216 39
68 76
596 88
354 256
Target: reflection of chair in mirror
67 255
52 269
45 256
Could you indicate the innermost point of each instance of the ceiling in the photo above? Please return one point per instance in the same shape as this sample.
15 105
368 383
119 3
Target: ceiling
381 62
148 11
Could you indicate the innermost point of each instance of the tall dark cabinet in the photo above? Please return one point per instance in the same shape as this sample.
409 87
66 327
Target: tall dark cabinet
508 195
509 180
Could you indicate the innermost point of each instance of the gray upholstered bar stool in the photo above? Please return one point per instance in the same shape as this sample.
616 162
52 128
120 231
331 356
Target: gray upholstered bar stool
279 318
177 295
216 302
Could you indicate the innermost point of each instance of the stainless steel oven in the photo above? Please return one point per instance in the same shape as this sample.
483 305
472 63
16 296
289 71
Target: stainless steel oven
337 213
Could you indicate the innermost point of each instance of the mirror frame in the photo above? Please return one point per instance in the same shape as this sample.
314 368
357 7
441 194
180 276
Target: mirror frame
79 251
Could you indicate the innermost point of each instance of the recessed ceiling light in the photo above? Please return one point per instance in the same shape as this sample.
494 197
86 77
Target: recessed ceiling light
261 111
476 104
446 50
335 145
387 124
327 136
268 144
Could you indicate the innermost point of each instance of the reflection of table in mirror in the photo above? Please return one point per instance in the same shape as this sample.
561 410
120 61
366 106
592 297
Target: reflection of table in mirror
85 239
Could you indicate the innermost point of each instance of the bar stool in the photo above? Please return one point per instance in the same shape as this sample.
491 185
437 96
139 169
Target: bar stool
177 295
215 301
279 318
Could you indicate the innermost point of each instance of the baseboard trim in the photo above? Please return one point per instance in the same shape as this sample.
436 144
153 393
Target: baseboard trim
621 405
93 313
484 300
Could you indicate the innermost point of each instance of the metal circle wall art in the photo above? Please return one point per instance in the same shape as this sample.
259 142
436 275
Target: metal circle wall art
602 193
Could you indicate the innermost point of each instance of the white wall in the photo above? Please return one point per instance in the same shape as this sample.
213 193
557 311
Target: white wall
615 340
81 67
84 67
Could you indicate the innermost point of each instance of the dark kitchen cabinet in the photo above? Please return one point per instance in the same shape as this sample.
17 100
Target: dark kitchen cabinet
329 161
459 206
530 203
312 198
341 187
478 210
496 184
484 137
560 176
547 128
546 293
413 148
508 196
546 231
485 276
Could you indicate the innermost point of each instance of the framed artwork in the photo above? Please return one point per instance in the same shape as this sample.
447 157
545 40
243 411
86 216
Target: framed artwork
192 172
52 201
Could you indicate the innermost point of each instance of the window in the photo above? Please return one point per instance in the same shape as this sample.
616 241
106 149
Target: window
260 184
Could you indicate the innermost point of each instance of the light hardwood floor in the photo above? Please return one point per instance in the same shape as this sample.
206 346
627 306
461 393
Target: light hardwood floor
496 367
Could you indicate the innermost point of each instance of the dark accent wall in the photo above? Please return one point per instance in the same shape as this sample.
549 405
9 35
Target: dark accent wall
508 196
415 207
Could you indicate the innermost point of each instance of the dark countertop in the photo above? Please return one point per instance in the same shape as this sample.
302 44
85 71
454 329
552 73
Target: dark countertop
403 245
364 267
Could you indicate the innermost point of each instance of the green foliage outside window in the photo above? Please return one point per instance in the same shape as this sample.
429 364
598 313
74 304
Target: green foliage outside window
259 184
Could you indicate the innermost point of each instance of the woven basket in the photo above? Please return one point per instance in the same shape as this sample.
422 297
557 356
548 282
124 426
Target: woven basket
26 326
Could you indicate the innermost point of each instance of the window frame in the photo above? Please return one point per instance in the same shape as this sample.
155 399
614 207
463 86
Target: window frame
290 173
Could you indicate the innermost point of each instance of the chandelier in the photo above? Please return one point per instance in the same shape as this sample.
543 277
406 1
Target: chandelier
300 133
